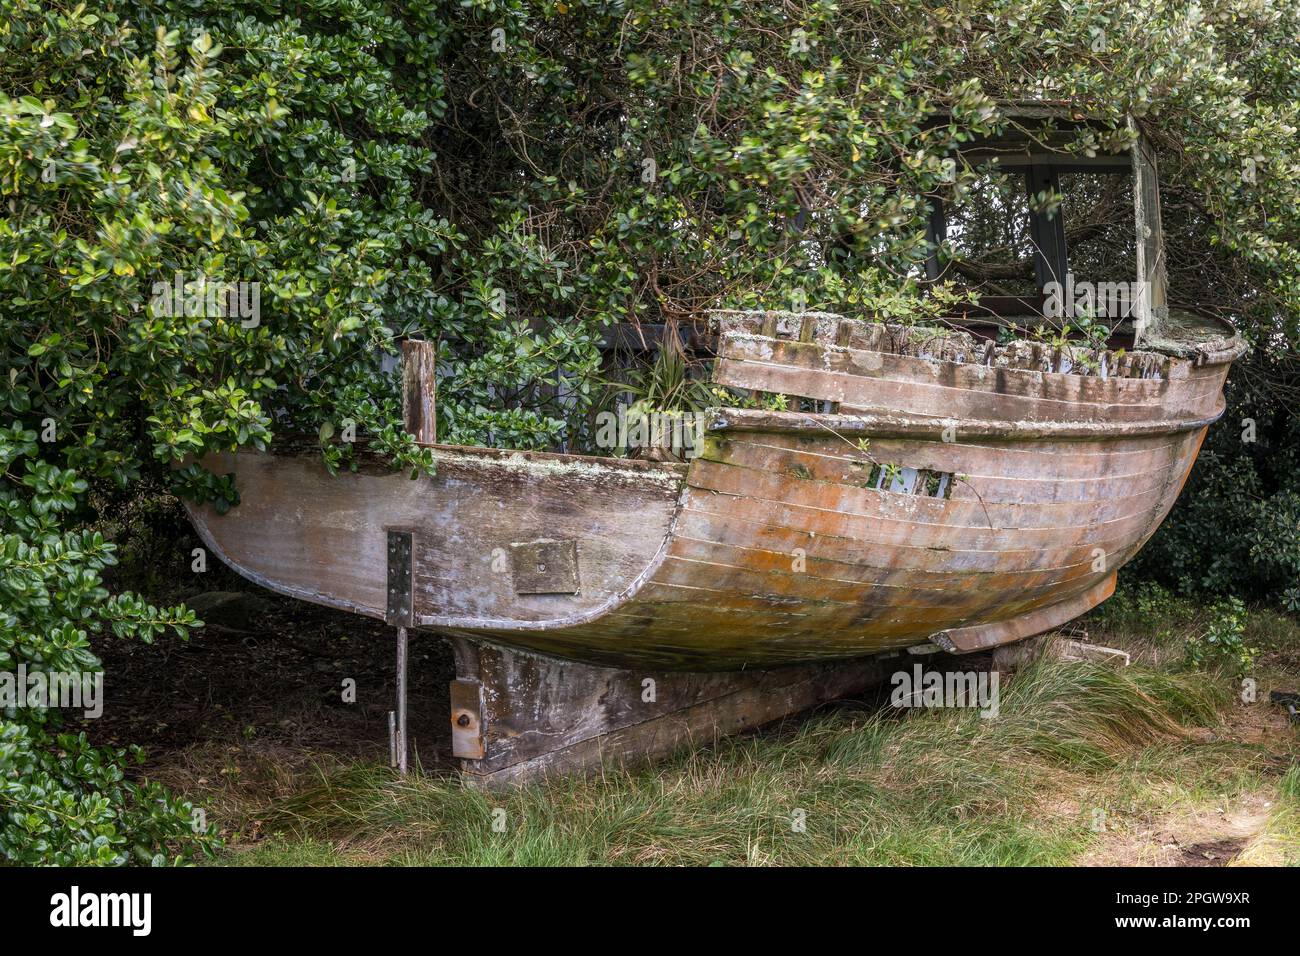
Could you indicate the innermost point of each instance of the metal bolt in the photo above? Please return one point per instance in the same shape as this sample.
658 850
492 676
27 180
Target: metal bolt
462 720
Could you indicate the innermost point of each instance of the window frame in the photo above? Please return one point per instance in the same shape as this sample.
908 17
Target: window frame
1042 171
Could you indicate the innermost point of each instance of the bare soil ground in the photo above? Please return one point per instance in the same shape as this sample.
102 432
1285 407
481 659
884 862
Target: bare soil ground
1195 836
253 705
1224 832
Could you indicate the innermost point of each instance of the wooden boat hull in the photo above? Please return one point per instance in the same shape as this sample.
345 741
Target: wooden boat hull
779 570
769 550
934 495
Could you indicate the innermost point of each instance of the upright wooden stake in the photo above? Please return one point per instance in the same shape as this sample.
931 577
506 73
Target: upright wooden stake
419 390
843 335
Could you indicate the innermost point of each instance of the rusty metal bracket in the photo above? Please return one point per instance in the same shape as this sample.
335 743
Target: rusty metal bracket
545 566
467 719
399 612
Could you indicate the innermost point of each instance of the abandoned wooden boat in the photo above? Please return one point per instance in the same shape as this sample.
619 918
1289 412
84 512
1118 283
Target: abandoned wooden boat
961 494
922 484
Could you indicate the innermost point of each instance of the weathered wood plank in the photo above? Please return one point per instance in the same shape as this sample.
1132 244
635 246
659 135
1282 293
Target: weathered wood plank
855 390
420 390
1121 476
997 510
981 637
801 523
975 376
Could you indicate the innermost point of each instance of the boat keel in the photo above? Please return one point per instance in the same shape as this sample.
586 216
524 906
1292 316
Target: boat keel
518 717
983 637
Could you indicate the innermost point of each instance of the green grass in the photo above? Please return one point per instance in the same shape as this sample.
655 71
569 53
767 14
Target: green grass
937 787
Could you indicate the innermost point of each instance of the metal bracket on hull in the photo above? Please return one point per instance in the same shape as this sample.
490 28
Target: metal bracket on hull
399 609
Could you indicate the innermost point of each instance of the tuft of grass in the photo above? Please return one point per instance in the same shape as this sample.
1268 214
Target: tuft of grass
926 787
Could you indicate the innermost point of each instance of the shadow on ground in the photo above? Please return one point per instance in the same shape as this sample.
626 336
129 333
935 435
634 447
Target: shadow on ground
256 698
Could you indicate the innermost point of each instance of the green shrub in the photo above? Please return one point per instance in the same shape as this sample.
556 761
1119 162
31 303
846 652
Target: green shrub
1222 642
1236 527
1209 634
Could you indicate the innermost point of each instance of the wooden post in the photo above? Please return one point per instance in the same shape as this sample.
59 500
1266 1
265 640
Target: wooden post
419 390
768 330
843 335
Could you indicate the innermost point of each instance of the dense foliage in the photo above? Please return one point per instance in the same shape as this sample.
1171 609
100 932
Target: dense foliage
508 177
1236 527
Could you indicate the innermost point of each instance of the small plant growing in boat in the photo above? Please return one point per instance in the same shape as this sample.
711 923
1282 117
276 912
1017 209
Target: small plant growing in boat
662 390
1076 345
668 383
1094 332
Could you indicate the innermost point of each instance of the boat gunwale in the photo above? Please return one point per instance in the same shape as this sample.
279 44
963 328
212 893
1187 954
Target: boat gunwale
302 445
885 425
1213 349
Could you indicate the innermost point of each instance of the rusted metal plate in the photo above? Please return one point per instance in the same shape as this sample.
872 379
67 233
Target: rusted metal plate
399 607
467 719
547 566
